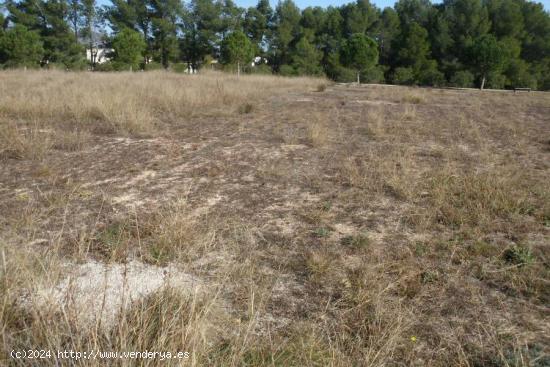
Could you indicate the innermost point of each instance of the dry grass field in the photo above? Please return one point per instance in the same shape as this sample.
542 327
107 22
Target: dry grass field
267 221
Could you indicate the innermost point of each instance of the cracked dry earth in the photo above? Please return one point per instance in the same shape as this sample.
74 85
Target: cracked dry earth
283 177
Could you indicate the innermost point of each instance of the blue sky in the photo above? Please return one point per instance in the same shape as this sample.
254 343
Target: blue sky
324 3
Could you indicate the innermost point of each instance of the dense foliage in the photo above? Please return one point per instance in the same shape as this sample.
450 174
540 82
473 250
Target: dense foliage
129 47
498 43
237 49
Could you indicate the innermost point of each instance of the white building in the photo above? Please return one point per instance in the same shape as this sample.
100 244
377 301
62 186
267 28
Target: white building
98 55
190 69
258 61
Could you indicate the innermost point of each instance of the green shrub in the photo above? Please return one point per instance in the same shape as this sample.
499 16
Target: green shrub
430 276
9 65
321 232
543 82
359 241
179 67
462 79
105 67
518 74
495 81
345 75
287 70
432 77
373 75
403 76
77 64
120 66
153 66
261 69
55 66
518 255
129 47
20 47
232 68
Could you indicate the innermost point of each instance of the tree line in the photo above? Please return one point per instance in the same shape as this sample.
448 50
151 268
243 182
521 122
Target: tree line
464 43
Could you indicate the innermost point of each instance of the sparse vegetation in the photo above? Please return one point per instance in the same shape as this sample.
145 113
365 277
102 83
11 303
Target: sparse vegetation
518 255
318 131
258 222
413 98
134 104
358 241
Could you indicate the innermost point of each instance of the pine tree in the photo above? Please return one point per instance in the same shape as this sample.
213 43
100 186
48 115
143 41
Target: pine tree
90 21
468 20
201 26
237 49
132 14
20 47
487 56
255 26
388 31
286 31
165 15
306 58
48 19
360 53
129 46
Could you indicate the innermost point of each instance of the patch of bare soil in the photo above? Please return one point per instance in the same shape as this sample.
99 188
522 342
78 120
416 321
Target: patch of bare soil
394 225
95 292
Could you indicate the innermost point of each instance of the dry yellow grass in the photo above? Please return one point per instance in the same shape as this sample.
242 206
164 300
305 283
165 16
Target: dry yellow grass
318 130
132 103
326 226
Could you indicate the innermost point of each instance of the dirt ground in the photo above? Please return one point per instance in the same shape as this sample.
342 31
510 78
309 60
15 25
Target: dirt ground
370 225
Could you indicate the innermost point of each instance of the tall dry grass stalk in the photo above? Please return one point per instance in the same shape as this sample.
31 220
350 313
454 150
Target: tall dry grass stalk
319 130
30 142
382 171
134 103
